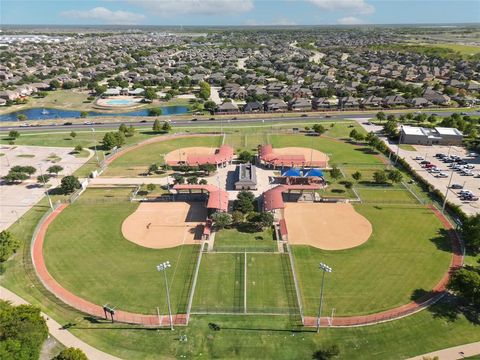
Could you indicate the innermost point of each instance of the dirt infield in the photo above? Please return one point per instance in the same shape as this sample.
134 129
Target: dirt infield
326 226
309 154
165 224
182 153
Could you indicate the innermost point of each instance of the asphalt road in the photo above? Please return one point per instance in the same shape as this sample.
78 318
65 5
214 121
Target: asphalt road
218 122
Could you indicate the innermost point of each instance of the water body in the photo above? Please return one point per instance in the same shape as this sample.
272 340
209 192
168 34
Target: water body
52 114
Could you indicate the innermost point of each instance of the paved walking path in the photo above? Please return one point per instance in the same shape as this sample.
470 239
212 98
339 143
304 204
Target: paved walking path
55 329
182 319
453 353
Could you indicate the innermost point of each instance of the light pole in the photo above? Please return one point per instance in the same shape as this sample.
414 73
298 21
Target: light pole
446 193
45 185
325 268
162 268
95 145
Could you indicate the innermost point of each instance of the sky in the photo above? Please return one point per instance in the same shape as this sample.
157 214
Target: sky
237 12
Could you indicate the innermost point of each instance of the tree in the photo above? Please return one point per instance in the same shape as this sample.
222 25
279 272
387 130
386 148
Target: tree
22 331
395 176
192 180
221 220
157 127
471 233
204 92
152 169
166 127
71 354
154 111
29 170
259 221
203 182
8 245
13 134
465 282
209 105
380 116
69 184
54 84
78 148
335 173
122 128
151 187
13 177
326 353
207 168
130 131
42 179
245 156
73 134
353 134
237 217
112 139
178 179
83 114
54 169
380 177
319 129
357 175
244 202
150 94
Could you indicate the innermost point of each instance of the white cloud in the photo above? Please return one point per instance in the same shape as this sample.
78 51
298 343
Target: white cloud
196 7
105 15
350 20
350 6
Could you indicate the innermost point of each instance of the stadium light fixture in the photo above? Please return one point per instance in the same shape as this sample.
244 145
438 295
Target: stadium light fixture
95 145
162 267
325 268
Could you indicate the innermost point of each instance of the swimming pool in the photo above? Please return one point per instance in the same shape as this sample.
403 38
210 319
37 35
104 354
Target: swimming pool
120 102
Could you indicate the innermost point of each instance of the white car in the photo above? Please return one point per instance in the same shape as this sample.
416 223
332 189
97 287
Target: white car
441 175
472 154
419 158
465 192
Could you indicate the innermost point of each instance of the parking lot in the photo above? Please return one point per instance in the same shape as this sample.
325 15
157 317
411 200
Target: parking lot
471 183
17 199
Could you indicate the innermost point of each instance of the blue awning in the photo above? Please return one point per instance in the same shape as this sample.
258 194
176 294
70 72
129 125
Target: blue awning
292 172
314 173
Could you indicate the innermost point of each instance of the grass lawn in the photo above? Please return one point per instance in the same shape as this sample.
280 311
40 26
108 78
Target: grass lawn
235 240
386 195
462 49
137 161
270 287
97 263
407 252
220 284
339 152
407 147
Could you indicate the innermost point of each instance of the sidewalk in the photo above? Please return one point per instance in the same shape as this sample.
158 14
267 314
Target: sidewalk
62 335
453 353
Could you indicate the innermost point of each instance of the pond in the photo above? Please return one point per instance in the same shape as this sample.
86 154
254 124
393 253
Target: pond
52 114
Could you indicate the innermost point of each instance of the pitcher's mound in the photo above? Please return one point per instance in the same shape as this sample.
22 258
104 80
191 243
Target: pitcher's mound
160 225
326 226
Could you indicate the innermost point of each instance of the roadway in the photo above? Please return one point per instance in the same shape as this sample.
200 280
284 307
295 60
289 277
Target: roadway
202 122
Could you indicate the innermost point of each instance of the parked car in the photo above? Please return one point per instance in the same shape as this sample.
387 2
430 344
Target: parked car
440 155
418 158
441 175
430 166
425 162
472 154
456 186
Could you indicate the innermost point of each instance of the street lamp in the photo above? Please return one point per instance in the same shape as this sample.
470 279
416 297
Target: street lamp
325 269
162 268
95 145
45 185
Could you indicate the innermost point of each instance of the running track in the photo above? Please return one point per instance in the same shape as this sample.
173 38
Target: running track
182 319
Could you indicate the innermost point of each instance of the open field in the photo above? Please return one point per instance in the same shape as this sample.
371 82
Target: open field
97 263
407 253
270 287
234 240
220 284
386 195
462 49
137 161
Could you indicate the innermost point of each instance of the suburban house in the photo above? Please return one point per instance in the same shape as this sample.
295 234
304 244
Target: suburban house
275 105
424 136
300 104
228 107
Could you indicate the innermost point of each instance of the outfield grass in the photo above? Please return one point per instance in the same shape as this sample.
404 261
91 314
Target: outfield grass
406 252
234 240
386 195
137 161
98 264
220 284
339 152
270 286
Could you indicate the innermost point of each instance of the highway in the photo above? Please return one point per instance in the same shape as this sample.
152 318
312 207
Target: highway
234 120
